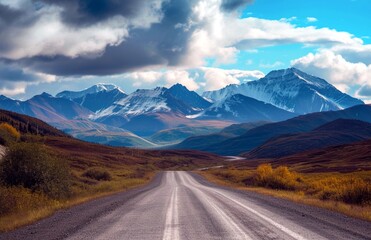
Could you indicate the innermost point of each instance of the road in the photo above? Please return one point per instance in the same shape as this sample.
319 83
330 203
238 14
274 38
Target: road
182 205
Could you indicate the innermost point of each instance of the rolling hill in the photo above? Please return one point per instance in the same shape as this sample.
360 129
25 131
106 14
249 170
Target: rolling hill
81 154
341 158
305 123
176 135
203 141
338 132
29 125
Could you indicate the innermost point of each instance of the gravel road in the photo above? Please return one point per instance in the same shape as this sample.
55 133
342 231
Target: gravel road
182 205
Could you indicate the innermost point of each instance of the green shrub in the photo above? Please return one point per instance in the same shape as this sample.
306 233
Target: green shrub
98 174
31 166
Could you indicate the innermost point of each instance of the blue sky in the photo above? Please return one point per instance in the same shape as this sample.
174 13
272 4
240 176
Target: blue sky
346 15
50 46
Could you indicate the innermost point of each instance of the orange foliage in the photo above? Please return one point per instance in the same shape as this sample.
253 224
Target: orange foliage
7 131
279 178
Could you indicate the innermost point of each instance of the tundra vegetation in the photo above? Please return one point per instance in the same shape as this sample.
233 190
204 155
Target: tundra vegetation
44 170
349 193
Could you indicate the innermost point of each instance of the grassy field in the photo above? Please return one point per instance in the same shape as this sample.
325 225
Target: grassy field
347 193
92 171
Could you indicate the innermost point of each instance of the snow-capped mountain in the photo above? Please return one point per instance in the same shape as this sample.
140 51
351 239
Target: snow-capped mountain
147 111
8 103
244 109
280 95
95 98
190 98
46 108
100 87
177 99
291 90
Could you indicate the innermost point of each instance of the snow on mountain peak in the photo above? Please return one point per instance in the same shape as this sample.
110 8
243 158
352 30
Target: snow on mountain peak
295 74
100 87
105 87
292 90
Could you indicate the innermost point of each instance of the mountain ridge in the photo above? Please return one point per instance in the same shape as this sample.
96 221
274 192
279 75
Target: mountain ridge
147 111
292 90
337 132
304 123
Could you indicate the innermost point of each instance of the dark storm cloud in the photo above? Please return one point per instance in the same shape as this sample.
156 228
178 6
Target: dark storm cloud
8 15
230 5
162 43
13 73
86 12
10 19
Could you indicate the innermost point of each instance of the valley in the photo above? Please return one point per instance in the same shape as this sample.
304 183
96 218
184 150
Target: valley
185 120
110 142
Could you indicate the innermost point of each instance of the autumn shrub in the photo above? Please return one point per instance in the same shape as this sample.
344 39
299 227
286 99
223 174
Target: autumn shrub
279 178
17 199
357 191
97 174
8 134
31 166
349 190
263 174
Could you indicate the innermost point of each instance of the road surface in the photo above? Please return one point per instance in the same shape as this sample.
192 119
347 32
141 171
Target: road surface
182 205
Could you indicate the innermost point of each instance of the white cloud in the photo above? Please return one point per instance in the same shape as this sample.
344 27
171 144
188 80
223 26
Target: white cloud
182 77
12 88
216 78
144 77
204 78
355 52
345 75
312 19
164 78
221 35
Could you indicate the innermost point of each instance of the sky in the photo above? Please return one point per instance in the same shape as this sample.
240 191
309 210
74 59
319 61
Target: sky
51 46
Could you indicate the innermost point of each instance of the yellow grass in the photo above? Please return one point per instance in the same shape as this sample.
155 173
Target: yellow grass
309 189
34 206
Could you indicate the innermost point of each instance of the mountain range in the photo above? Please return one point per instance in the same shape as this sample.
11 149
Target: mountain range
291 90
104 113
260 135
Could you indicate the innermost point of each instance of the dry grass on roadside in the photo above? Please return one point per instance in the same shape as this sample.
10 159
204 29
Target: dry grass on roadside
34 183
349 193
20 206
